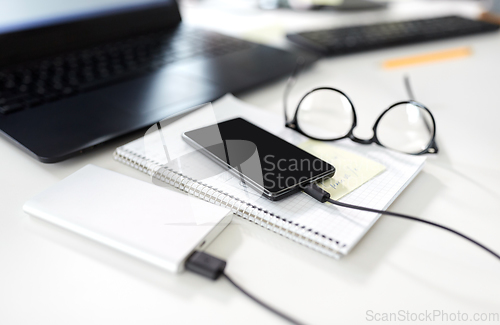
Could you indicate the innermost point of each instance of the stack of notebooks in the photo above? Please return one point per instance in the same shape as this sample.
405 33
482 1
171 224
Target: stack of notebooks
331 230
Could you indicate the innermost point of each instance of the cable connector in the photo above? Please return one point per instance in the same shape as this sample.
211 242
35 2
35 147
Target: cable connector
316 192
205 265
212 267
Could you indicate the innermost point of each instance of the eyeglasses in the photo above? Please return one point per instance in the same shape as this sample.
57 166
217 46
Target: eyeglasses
327 114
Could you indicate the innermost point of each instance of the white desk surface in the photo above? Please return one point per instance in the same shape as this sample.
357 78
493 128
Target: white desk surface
51 276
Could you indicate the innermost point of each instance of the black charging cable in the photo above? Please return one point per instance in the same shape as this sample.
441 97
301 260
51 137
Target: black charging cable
213 268
323 196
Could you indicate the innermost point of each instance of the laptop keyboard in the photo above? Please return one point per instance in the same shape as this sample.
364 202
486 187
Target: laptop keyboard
38 82
362 38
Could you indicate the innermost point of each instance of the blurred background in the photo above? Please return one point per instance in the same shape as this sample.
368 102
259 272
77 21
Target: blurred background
261 20
268 21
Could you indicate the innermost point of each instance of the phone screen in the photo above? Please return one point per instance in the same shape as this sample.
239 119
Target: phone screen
265 161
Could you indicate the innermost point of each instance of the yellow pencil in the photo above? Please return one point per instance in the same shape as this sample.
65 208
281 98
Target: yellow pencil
428 58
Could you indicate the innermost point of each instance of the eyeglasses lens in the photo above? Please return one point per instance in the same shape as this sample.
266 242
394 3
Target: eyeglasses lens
407 128
325 114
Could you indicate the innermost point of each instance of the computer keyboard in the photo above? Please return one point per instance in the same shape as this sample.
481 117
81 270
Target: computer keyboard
362 38
34 83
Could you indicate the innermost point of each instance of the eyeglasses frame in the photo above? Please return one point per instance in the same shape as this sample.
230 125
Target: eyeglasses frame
294 125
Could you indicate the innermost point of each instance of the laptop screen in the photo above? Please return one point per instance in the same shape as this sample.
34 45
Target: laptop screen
26 14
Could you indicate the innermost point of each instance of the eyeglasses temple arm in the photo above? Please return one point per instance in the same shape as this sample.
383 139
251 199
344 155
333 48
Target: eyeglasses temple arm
290 83
412 97
408 87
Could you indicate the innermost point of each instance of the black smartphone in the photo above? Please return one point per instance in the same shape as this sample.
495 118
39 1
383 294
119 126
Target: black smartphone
265 162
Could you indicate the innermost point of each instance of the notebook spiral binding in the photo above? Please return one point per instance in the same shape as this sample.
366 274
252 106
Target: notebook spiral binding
252 213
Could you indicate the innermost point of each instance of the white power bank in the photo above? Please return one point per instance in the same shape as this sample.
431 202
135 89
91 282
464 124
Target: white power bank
157 225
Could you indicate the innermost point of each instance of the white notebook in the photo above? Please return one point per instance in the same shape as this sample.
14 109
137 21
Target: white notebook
331 230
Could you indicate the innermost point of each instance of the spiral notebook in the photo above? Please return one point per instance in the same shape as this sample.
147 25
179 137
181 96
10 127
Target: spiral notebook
331 230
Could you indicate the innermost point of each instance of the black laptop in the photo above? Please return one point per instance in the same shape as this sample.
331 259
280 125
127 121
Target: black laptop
71 81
